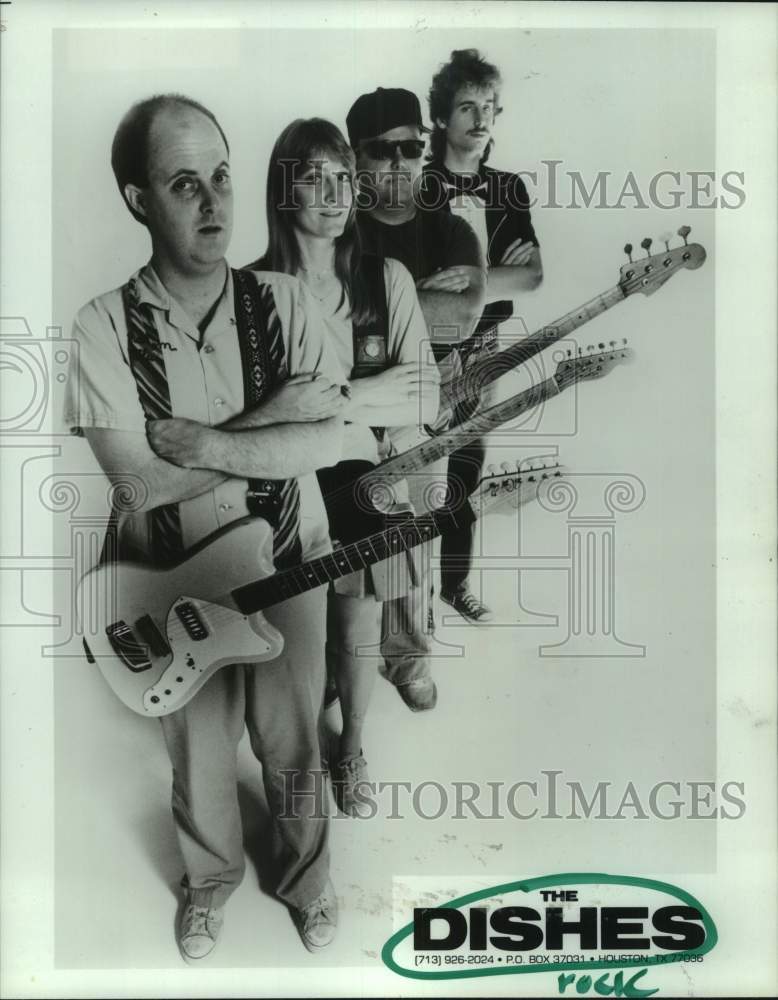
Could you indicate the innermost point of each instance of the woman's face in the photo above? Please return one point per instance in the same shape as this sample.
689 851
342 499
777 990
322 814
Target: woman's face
324 195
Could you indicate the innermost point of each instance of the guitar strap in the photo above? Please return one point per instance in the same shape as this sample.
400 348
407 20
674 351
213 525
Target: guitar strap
263 367
371 339
371 356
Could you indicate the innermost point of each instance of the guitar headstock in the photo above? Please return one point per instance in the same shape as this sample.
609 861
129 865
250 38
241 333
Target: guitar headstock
651 272
508 487
592 363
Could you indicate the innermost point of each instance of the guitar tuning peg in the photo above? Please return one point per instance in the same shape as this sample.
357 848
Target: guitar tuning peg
580 351
601 347
646 244
612 343
569 354
624 340
683 232
665 238
628 251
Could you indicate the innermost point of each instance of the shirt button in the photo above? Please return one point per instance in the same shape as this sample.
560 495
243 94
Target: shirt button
218 401
233 321
225 506
208 348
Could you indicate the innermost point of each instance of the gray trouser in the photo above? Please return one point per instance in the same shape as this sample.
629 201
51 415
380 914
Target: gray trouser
279 703
405 639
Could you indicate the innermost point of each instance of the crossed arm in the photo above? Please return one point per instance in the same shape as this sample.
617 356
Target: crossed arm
452 300
296 430
520 270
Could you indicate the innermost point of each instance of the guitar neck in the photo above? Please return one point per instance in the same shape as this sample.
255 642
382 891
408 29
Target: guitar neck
357 556
491 368
416 458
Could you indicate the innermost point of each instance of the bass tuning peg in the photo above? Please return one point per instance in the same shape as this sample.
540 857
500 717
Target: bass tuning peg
665 238
628 251
683 232
646 244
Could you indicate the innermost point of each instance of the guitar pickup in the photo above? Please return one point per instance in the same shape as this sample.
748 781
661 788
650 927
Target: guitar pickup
122 639
151 635
191 620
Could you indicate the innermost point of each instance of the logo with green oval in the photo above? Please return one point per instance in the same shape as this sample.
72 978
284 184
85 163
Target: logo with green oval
597 932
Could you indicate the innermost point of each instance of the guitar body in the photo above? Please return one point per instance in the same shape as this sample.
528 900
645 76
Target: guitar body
157 635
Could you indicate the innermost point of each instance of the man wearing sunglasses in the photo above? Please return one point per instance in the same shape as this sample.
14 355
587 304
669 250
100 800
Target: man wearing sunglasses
441 252
444 257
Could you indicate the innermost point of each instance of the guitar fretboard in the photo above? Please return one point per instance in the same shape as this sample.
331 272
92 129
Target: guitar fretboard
358 555
486 371
399 467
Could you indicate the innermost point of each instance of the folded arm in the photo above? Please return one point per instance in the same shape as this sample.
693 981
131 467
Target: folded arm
452 301
296 430
401 395
520 270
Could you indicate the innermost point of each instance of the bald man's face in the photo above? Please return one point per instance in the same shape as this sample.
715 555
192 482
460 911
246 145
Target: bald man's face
188 201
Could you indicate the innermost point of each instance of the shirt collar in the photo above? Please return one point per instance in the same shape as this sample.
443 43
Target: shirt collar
153 292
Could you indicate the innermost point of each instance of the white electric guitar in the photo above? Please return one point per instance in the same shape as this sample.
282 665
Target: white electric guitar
157 635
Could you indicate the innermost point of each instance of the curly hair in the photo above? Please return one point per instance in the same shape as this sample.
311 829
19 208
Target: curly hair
466 68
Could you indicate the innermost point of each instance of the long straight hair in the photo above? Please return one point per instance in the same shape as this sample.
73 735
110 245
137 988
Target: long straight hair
301 142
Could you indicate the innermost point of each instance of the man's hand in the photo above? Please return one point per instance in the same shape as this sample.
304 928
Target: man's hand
517 253
303 398
178 440
396 385
447 279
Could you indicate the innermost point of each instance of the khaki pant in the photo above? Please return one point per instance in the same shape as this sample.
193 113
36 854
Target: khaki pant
279 703
405 639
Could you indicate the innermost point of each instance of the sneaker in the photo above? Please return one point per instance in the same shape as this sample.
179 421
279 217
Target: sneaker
348 775
420 695
468 605
318 921
199 931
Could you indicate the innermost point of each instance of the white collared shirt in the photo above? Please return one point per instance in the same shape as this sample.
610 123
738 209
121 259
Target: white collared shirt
205 380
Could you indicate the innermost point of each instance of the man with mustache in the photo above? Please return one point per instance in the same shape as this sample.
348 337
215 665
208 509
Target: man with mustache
386 132
464 105
208 386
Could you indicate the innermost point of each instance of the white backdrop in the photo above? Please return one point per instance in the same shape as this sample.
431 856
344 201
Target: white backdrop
618 101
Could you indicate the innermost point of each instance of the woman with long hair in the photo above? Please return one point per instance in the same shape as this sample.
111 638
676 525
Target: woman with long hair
373 319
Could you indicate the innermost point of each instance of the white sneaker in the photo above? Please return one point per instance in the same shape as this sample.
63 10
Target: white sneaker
318 921
199 931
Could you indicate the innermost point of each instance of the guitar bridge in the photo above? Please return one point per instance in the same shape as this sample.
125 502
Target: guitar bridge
127 648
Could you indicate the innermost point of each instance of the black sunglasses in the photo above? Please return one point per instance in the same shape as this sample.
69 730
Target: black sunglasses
383 149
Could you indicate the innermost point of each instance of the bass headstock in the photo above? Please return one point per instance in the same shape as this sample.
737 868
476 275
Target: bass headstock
652 271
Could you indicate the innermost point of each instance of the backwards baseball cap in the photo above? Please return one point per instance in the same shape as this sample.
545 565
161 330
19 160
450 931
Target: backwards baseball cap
373 114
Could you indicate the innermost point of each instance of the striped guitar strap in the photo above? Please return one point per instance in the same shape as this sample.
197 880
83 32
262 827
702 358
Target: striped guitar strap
264 367
263 364
147 363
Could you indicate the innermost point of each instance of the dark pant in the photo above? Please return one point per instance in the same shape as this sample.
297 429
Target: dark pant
456 550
